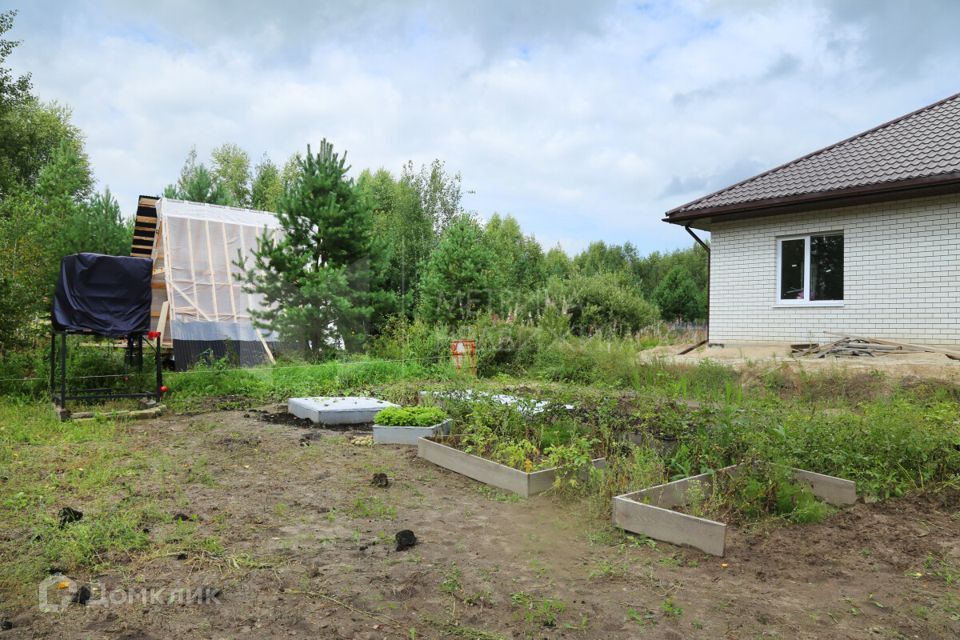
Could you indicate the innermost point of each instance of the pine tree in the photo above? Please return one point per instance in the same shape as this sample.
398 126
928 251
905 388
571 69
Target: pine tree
679 298
456 283
314 273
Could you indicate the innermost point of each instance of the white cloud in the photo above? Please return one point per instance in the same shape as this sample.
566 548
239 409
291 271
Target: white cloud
585 120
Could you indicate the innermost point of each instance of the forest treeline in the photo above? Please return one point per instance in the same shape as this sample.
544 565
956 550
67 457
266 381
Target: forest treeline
359 256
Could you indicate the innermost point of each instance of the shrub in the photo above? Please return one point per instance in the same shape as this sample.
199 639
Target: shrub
602 303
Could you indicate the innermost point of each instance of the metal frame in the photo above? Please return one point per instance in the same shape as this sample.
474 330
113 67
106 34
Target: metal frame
59 391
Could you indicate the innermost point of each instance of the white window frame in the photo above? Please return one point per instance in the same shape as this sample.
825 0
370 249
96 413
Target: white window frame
806 302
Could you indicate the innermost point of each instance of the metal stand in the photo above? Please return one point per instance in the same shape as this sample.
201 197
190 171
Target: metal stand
133 358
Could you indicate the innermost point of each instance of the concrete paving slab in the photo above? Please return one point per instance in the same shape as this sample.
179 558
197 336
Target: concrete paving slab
335 410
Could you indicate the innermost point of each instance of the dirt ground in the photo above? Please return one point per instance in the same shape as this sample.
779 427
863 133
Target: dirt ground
921 365
307 550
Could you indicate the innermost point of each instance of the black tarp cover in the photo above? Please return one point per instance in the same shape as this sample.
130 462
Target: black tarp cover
106 295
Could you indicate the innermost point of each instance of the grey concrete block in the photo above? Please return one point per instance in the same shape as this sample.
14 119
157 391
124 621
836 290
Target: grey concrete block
334 410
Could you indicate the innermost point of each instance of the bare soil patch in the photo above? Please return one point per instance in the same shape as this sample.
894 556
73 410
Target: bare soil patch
308 547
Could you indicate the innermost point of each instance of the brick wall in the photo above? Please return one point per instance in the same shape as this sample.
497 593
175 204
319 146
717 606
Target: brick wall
901 275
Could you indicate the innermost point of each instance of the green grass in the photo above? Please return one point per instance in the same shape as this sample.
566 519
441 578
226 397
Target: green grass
46 465
889 437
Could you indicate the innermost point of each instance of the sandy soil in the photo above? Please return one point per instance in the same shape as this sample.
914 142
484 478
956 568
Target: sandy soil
922 365
308 551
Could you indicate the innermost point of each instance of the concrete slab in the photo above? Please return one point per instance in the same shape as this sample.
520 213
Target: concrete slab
334 410
408 435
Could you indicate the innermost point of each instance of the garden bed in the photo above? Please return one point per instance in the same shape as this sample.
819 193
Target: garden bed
402 434
651 511
525 406
439 452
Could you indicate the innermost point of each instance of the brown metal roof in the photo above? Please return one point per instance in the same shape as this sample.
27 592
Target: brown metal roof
910 156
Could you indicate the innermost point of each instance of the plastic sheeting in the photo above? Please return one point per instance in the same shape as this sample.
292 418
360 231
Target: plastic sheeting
106 295
202 245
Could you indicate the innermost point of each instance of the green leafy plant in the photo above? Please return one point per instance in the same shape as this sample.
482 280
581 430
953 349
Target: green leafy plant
410 417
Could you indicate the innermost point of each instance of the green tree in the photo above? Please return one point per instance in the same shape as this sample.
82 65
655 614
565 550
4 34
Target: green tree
403 239
97 226
14 93
439 192
314 275
600 257
267 188
47 204
197 183
518 261
455 283
230 169
557 264
679 298
653 268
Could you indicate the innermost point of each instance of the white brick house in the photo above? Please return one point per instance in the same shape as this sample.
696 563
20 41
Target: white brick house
862 238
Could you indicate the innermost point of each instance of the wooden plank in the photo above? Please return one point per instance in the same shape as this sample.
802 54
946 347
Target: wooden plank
187 298
226 253
213 279
146 219
193 271
692 347
266 347
162 324
920 347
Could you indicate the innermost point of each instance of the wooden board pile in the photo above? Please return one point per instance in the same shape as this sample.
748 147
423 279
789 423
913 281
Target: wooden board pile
855 346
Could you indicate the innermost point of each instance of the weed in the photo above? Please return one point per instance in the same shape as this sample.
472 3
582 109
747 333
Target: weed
498 494
539 611
606 569
642 619
670 609
373 507
451 581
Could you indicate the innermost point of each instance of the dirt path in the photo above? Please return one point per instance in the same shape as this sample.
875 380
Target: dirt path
300 544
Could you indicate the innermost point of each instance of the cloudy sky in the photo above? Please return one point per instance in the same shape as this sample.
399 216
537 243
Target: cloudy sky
584 119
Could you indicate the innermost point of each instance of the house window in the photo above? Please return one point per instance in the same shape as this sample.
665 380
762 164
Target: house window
810 269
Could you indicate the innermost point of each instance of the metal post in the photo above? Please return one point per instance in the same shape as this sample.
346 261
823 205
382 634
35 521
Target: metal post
706 248
53 363
63 370
156 359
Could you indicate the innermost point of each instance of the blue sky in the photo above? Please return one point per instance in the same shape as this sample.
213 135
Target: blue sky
585 120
